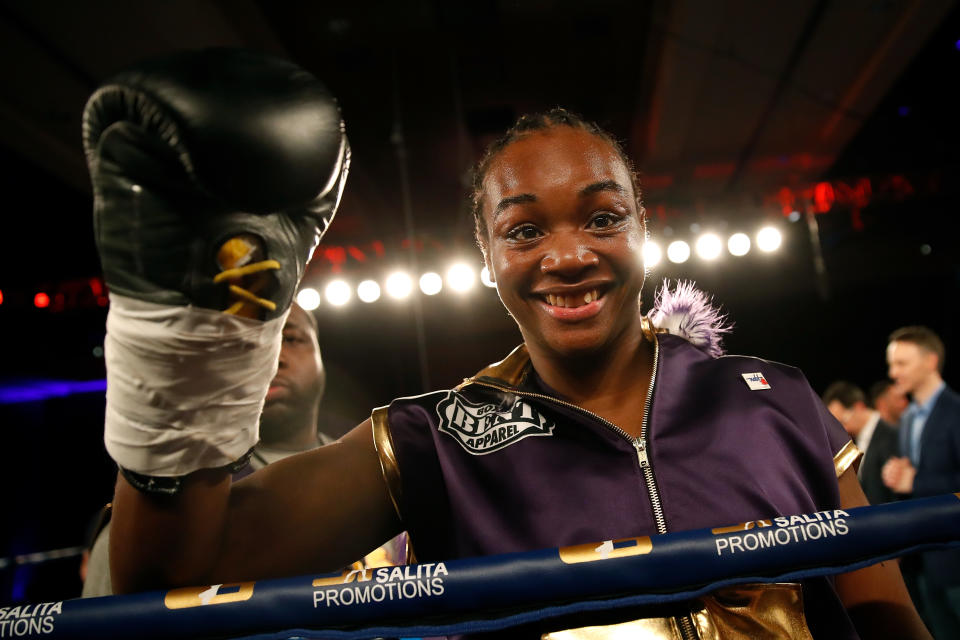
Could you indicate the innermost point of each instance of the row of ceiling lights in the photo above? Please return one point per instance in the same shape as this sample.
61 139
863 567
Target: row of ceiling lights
399 285
709 246
461 277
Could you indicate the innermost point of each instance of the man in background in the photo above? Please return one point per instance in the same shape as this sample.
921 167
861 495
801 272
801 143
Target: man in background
889 401
930 460
877 439
288 424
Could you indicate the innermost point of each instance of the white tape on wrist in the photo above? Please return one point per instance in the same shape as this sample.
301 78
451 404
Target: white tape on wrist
185 385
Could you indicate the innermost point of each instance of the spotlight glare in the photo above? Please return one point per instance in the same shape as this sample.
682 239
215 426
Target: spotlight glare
768 239
709 246
431 283
308 298
399 285
461 277
678 251
739 244
652 254
368 291
486 279
337 293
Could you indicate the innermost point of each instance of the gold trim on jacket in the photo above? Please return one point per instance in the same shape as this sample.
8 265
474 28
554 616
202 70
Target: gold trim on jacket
743 612
848 456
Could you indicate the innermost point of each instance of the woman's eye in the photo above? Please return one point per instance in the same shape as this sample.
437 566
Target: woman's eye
523 232
604 220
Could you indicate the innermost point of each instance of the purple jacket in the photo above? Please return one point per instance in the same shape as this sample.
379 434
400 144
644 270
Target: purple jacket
501 464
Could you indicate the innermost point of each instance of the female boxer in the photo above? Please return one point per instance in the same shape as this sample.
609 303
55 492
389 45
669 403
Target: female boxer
600 426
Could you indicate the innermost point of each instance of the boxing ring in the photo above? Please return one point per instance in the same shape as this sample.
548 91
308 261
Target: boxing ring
498 592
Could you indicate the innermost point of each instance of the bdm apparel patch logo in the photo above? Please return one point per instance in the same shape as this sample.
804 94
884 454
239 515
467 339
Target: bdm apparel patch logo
485 428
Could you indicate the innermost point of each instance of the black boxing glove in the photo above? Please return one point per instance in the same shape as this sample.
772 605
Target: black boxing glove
189 152
214 173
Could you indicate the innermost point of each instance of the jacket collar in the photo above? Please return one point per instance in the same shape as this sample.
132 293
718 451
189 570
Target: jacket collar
514 370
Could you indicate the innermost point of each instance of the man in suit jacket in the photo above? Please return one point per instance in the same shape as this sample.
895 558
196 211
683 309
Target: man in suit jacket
930 462
877 439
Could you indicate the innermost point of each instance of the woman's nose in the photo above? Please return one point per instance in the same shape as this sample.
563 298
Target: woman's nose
567 254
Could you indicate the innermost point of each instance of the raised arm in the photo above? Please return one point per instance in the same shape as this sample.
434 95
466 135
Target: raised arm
215 173
316 511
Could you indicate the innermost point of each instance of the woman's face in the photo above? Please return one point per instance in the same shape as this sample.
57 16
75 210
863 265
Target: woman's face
564 240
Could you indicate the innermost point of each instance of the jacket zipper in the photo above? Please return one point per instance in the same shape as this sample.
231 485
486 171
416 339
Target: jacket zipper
639 444
687 630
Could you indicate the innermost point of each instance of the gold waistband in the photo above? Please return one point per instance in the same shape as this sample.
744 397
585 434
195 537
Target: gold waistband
750 611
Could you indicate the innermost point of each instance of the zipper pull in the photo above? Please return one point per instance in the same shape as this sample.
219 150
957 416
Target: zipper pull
641 446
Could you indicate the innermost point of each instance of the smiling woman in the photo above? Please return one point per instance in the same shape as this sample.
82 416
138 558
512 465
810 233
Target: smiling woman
603 425
597 426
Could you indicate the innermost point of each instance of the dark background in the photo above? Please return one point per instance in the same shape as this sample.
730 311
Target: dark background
722 104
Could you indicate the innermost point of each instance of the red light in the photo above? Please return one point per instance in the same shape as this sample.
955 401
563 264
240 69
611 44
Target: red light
1 296
41 300
823 197
336 255
787 200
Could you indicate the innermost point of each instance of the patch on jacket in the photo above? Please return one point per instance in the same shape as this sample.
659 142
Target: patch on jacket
484 428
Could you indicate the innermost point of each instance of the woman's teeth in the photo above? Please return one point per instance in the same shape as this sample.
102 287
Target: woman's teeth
577 300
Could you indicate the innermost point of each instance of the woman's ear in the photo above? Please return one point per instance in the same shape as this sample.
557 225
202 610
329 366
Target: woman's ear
479 235
486 263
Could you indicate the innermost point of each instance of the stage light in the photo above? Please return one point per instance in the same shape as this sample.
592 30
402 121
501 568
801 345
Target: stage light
337 293
308 298
41 300
461 277
486 279
738 244
368 291
768 239
1 296
399 285
431 283
794 216
709 246
652 254
678 251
